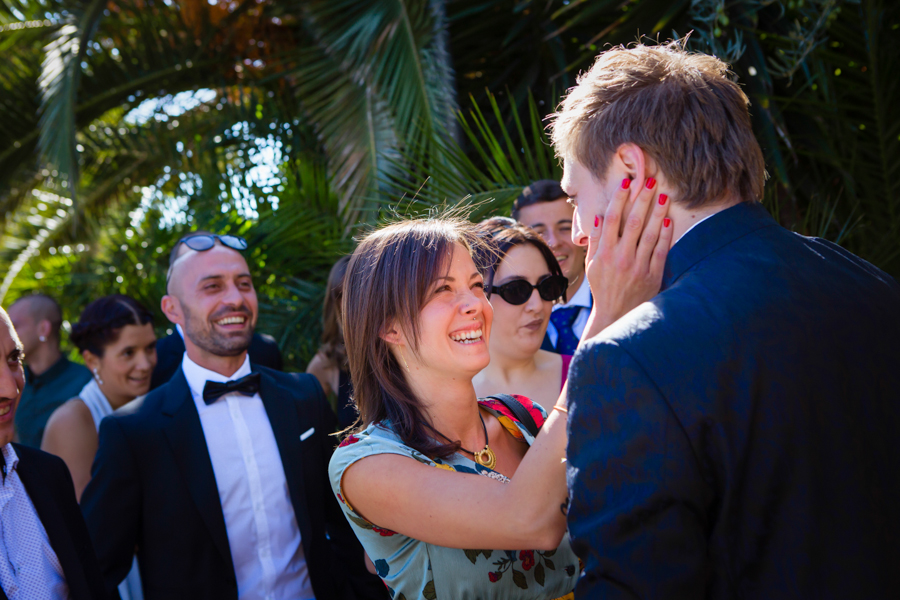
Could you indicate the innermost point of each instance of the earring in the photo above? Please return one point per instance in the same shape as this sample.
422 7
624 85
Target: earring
42 338
403 356
97 377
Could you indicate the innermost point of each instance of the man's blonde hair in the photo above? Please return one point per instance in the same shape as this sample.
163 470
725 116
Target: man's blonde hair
680 107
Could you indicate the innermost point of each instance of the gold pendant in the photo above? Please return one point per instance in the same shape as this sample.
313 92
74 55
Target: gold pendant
486 458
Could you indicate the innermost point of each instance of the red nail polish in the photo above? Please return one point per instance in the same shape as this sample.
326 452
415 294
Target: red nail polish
625 183
667 222
650 183
662 199
597 221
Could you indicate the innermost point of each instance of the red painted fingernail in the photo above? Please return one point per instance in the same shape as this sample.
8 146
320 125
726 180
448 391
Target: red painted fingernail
650 183
625 183
663 198
667 222
597 221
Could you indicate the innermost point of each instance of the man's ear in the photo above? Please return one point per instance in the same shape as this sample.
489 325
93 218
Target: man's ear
44 328
636 164
171 307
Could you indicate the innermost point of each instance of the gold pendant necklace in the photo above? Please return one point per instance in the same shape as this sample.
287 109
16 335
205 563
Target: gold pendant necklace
486 457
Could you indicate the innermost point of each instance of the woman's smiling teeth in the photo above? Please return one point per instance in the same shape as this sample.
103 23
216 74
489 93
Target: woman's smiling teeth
231 321
5 410
467 337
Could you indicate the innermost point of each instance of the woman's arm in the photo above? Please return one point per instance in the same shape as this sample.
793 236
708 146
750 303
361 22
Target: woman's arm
470 511
70 435
325 371
460 510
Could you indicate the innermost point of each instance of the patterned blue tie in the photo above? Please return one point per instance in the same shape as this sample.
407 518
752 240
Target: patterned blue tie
562 319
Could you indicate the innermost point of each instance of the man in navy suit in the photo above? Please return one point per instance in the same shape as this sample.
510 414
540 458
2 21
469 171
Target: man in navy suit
737 435
219 477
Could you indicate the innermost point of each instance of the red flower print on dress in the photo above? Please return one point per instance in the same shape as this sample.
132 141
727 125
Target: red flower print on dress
494 577
350 440
527 558
384 532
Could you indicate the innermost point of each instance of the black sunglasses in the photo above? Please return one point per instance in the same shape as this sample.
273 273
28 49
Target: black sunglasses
201 243
518 291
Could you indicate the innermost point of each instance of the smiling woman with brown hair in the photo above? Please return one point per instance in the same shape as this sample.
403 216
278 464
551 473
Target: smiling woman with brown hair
433 477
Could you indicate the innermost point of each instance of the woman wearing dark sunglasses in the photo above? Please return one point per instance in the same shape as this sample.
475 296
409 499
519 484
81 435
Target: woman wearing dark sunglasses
522 280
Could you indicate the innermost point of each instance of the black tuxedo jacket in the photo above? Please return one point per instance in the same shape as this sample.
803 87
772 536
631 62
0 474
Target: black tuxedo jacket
49 485
736 436
263 351
153 488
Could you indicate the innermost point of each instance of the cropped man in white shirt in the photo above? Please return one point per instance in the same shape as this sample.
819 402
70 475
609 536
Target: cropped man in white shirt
219 477
544 207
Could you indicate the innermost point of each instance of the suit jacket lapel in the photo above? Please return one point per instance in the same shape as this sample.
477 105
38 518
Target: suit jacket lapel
185 434
55 525
716 232
288 424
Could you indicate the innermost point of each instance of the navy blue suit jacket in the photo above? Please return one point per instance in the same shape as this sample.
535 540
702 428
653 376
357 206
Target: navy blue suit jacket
738 436
153 487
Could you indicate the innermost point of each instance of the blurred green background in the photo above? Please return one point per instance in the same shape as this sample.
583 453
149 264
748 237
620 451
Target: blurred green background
125 124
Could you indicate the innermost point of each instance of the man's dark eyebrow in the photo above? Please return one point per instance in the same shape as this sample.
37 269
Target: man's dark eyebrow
208 277
569 221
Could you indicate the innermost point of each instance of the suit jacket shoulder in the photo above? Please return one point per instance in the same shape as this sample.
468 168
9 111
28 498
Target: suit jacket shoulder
50 487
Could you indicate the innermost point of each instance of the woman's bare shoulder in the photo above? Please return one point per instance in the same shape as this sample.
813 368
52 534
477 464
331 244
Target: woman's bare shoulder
72 412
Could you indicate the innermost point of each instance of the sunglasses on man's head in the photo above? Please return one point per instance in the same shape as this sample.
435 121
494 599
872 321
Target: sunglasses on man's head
518 291
201 243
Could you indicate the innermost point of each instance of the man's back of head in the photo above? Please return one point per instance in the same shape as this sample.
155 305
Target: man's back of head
680 108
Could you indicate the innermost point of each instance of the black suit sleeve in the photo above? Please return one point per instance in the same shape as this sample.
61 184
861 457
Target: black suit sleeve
346 547
71 512
112 504
638 502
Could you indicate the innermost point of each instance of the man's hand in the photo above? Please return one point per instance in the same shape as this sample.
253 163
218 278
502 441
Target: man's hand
627 254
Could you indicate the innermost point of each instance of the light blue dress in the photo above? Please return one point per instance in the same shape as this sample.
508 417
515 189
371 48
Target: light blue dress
414 569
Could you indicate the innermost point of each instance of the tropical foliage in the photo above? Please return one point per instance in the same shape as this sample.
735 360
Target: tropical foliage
297 122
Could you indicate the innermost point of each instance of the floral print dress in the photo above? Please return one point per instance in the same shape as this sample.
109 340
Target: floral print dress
414 569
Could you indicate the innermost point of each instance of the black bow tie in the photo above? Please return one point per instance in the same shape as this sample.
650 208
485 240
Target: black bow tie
247 386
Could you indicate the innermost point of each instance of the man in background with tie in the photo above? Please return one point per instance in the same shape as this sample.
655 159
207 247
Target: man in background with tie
219 477
544 207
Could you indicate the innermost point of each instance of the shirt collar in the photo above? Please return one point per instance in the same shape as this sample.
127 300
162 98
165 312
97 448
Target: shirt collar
55 370
197 376
10 459
580 298
691 227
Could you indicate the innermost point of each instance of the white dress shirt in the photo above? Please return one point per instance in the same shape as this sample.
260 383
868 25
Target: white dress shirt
580 298
29 568
259 517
